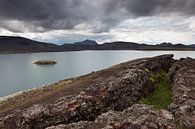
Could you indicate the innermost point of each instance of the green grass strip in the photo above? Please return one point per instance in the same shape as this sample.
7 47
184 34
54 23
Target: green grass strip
160 98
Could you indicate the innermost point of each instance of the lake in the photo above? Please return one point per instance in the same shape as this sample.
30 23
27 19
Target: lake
17 71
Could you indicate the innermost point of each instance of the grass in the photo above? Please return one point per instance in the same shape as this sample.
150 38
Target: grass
160 98
179 125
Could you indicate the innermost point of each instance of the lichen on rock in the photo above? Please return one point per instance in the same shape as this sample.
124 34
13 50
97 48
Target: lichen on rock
183 86
97 97
136 117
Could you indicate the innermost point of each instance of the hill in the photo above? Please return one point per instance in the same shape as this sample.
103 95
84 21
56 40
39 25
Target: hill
23 45
87 42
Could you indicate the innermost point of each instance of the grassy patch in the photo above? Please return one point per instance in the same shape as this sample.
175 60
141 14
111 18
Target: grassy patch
179 125
160 98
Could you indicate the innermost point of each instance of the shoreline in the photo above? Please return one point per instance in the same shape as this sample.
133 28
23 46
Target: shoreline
1 53
10 96
121 92
38 91
83 98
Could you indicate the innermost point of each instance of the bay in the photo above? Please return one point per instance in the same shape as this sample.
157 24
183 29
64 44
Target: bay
17 71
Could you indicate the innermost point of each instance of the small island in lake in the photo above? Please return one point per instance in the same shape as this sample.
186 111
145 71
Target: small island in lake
45 62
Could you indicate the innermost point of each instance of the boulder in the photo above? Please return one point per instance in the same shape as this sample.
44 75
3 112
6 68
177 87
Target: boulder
183 86
136 117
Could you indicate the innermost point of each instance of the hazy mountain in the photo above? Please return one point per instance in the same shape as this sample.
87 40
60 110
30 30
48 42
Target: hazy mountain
119 45
86 42
24 45
172 45
192 45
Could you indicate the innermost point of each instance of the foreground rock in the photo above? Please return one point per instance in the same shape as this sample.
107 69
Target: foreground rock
87 97
183 105
135 117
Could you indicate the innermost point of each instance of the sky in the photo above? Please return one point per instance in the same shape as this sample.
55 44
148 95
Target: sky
68 21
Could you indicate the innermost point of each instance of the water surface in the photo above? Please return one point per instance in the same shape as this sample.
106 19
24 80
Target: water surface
17 71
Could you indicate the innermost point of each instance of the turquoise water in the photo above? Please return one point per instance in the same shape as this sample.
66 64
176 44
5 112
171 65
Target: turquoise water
17 71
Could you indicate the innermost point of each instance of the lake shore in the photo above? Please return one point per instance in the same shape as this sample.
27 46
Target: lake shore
95 96
2 53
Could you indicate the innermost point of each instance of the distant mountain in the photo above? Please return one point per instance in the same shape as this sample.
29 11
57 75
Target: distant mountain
192 45
20 44
24 45
86 42
170 45
120 45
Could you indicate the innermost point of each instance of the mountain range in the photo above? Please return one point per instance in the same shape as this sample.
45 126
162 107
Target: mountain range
10 44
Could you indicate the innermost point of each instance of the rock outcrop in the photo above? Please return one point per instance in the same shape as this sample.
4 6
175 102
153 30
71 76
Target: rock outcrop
116 88
183 86
136 117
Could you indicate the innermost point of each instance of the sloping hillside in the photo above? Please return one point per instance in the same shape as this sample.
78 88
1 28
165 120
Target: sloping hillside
22 45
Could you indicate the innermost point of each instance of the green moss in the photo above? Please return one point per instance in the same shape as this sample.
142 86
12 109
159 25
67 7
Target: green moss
179 125
160 98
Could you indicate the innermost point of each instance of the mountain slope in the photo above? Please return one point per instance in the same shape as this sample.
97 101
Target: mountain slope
86 42
23 45
20 44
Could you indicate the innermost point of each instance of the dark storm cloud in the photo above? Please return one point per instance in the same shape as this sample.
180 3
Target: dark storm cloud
66 14
39 9
153 7
144 7
50 14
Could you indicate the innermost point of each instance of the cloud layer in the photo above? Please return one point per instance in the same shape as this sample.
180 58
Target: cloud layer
100 17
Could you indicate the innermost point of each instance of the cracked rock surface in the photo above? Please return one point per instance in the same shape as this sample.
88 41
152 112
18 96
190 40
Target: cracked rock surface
105 93
183 86
136 117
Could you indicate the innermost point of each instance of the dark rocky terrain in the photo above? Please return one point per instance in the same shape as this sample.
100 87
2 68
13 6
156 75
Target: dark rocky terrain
107 99
135 117
183 101
23 45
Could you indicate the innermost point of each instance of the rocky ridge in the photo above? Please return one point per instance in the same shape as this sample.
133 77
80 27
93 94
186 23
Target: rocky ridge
108 100
135 117
183 86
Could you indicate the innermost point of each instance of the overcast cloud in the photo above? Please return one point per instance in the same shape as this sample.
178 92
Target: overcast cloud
60 21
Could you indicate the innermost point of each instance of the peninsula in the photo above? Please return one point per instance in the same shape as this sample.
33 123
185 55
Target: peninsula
147 93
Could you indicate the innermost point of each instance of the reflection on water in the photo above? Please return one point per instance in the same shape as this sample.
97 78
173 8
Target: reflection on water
17 71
